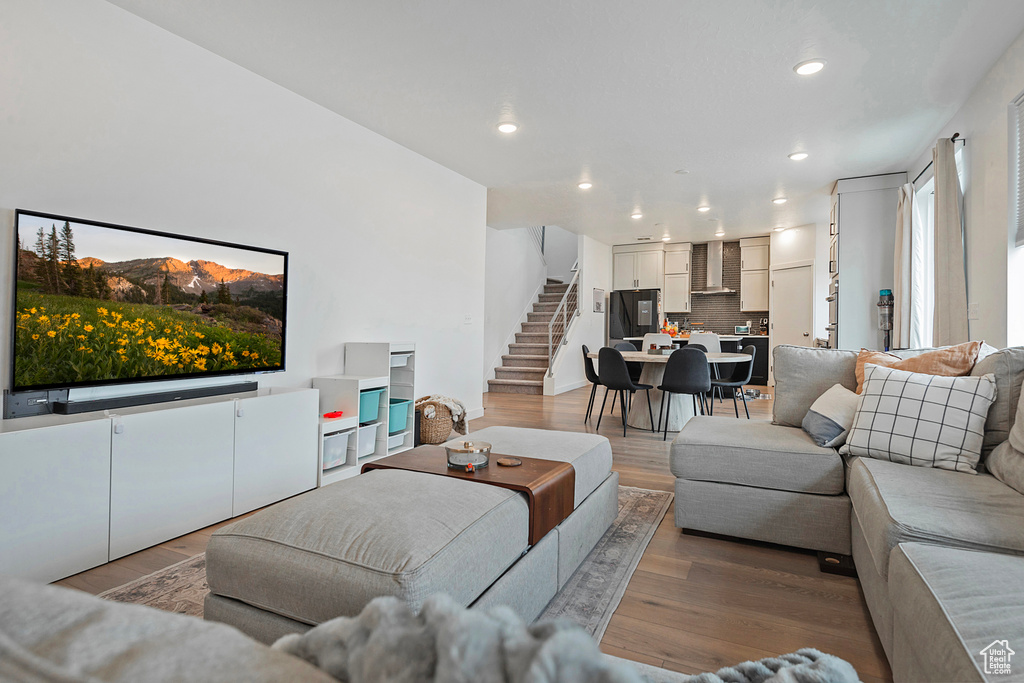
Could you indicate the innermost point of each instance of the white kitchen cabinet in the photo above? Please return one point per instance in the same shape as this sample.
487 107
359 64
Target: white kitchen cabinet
54 499
754 253
275 448
170 473
754 290
677 262
677 293
637 268
624 271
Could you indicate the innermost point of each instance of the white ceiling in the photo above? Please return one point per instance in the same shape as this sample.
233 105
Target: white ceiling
624 94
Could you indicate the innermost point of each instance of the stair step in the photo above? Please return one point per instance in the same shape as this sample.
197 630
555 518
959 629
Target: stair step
553 281
555 289
528 349
524 361
520 373
516 386
550 298
545 307
541 327
541 317
535 338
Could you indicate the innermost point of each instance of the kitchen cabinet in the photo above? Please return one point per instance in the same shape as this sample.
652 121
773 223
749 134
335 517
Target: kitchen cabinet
677 262
677 293
759 376
754 290
634 268
754 253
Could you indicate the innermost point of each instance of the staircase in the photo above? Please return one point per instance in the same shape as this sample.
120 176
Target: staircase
522 369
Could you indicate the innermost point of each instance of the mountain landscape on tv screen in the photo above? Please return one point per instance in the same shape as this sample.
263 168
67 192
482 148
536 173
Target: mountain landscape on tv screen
81 319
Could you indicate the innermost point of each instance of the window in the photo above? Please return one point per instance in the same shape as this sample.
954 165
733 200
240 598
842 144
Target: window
1017 145
922 254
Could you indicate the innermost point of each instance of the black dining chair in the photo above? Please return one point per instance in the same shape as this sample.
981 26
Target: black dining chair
588 368
612 371
687 372
740 376
635 369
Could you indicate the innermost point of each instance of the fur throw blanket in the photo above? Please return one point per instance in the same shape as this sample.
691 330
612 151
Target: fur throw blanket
454 405
445 642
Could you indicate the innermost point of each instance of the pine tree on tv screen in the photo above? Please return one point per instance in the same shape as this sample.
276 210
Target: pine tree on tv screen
98 304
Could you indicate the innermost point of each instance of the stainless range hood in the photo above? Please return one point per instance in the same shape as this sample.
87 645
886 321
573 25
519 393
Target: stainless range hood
714 284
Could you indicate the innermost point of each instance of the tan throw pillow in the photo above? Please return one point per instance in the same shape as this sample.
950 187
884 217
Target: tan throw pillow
952 361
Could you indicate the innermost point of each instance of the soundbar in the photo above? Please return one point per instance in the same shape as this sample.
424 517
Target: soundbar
74 407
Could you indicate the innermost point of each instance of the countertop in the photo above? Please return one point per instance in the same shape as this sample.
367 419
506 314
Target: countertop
721 337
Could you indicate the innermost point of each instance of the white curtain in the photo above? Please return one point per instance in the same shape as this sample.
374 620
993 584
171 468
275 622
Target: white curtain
950 324
903 268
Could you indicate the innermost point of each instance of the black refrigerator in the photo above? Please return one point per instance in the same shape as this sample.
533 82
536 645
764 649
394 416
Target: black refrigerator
633 313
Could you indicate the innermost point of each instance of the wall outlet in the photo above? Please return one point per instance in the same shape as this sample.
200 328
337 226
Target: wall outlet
974 311
467 319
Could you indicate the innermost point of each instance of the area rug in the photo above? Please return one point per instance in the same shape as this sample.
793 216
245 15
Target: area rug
589 598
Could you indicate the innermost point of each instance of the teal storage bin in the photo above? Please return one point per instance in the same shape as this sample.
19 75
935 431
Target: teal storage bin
369 405
398 417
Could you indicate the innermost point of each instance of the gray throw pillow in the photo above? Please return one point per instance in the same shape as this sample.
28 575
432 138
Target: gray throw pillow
1006 462
831 416
922 420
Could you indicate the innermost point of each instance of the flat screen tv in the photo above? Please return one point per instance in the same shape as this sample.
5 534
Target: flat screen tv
96 304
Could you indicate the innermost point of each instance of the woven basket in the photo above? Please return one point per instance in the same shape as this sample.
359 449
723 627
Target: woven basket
435 429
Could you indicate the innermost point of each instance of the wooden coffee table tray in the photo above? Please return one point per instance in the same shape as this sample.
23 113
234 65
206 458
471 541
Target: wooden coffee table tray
550 486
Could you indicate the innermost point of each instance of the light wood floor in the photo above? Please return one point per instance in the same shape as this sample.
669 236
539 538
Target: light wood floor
695 603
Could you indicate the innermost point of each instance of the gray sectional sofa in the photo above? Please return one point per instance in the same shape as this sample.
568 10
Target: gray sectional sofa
940 554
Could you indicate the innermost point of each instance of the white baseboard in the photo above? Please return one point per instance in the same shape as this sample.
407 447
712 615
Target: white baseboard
570 387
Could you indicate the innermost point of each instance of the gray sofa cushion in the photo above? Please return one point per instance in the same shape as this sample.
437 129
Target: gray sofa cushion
589 454
730 451
328 552
57 634
897 503
803 374
949 604
1008 367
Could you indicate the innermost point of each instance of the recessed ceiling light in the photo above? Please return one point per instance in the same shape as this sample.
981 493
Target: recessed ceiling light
780 229
682 171
720 233
585 186
703 209
798 156
666 238
508 127
811 66
636 215
779 200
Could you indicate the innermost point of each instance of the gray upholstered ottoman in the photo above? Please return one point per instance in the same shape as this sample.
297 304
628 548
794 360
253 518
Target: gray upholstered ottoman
328 552
760 481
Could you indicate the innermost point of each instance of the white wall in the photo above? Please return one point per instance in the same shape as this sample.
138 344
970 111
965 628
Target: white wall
560 251
105 116
595 272
514 276
995 271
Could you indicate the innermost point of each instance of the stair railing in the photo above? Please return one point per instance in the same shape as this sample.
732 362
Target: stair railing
566 311
538 234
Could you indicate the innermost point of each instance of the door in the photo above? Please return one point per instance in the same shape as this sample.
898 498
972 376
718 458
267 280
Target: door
623 272
677 294
792 310
648 269
754 290
275 448
170 473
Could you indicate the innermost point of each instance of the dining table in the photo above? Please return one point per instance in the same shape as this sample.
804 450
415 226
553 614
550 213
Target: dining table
681 408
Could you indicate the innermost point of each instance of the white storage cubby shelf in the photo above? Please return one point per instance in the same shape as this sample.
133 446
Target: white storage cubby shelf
369 367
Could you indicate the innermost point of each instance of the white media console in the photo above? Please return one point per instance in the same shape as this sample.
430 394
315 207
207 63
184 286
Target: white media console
78 491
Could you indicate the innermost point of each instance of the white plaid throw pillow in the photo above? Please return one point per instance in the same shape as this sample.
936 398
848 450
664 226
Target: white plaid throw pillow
922 420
